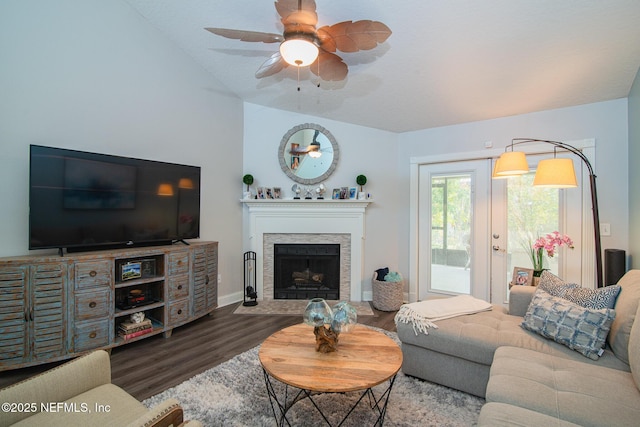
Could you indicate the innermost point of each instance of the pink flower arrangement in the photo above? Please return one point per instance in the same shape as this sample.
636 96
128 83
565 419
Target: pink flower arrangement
548 244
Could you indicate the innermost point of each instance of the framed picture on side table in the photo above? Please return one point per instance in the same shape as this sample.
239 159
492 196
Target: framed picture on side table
522 277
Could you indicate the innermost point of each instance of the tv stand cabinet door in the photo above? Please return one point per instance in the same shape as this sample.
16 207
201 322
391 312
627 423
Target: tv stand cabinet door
14 326
47 311
205 278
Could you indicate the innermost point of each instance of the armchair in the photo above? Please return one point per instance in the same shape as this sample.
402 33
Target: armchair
80 393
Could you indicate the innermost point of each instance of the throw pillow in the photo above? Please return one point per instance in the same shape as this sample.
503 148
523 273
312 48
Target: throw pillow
579 328
554 285
381 272
594 298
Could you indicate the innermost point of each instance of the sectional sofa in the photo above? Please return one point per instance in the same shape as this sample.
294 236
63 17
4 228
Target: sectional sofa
529 378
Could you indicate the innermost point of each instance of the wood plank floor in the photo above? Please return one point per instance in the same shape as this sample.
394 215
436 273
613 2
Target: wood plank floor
152 365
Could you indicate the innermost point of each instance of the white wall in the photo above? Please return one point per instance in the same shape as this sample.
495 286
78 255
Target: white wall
93 75
362 151
606 122
634 174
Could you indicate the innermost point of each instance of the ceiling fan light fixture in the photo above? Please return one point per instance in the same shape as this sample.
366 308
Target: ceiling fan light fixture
314 148
299 51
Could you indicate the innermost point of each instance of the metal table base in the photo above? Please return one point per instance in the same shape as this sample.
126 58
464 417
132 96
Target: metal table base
291 395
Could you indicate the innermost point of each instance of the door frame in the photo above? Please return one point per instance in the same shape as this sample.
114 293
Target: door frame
587 146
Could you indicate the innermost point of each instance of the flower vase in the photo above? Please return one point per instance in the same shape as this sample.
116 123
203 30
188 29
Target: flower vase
536 276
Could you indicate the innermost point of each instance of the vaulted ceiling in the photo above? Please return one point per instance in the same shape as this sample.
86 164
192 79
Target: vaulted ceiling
447 62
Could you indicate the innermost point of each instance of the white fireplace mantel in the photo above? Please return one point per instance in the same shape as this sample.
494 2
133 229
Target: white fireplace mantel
314 217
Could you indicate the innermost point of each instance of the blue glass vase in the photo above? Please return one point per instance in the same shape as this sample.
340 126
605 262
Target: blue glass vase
317 313
344 317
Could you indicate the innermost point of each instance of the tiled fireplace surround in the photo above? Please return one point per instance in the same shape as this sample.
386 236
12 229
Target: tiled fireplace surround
308 221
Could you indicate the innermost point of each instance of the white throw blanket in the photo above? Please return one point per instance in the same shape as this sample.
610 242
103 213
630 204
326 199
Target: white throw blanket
423 314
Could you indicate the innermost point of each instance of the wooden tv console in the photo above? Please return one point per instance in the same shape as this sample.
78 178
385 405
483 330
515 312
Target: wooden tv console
53 307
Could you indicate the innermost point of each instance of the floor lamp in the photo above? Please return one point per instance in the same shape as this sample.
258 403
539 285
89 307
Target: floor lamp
553 173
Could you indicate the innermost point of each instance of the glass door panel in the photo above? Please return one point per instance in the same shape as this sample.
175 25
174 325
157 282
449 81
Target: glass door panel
451 218
453 229
532 212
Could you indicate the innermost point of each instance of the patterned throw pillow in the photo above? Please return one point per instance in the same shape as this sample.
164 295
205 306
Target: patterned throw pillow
554 285
594 298
582 329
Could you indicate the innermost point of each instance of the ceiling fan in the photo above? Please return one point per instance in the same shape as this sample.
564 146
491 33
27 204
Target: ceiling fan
299 18
314 149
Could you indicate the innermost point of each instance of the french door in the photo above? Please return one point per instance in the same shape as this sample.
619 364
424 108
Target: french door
472 231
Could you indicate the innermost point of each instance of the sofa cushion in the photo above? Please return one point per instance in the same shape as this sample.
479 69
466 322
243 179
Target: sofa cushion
554 285
582 329
495 414
626 307
577 392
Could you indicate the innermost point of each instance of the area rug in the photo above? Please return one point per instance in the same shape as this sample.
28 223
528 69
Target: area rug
234 394
294 307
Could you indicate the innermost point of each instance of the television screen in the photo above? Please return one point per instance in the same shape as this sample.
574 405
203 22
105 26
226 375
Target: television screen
80 200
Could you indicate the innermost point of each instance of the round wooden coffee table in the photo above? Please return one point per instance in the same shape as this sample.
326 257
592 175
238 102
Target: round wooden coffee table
365 359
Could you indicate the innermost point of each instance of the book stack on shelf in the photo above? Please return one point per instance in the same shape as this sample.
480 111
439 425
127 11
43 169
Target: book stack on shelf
129 330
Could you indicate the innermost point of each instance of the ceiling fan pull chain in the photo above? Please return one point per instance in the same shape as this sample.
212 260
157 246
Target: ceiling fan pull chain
298 79
318 71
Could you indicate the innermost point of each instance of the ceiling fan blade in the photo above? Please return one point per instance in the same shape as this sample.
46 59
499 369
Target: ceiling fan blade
329 67
288 11
271 66
247 36
349 36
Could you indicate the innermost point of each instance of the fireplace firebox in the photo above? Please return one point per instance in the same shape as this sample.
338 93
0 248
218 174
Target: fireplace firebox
305 271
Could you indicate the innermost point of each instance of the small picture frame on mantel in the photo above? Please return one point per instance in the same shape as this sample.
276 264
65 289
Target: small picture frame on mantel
521 277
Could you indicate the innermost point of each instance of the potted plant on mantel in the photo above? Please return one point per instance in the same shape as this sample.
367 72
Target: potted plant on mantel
248 180
361 180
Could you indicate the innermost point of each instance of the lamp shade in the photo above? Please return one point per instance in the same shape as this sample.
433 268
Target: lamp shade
185 183
298 51
511 163
165 190
496 167
555 173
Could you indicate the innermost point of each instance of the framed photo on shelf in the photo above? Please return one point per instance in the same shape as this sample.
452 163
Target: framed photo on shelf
352 192
336 194
522 277
130 270
277 192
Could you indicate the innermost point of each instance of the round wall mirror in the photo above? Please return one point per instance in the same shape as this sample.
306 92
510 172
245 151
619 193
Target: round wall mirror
308 154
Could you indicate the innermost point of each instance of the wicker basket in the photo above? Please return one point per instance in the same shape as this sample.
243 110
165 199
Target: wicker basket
387 296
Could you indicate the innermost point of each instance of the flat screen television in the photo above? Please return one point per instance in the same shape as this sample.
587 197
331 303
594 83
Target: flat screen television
83 201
